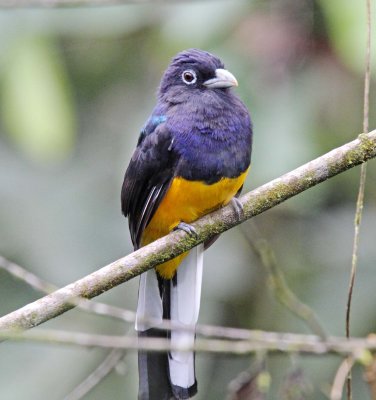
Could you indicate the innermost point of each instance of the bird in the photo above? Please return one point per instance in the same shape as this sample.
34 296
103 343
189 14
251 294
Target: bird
192 157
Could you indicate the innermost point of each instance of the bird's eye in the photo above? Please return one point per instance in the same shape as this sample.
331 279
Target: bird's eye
189 77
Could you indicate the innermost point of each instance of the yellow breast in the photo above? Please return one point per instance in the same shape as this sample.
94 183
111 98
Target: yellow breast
187 201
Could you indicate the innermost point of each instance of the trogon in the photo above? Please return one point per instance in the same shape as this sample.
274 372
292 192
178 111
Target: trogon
192 157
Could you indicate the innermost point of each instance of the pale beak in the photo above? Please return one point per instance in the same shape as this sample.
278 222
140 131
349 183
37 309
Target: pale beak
223 79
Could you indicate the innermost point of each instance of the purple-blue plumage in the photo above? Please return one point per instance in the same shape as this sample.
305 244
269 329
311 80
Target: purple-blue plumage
200 131
212 134
211 129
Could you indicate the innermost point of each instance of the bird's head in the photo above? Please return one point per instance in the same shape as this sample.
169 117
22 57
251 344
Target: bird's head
194 71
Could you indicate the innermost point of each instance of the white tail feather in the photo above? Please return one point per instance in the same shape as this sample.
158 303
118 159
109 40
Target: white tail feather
149 308
185 307
185 292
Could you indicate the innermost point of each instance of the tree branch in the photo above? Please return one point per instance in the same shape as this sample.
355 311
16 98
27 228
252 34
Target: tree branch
168 247
113 358
340 378
278 284
46 287
256 341
361 190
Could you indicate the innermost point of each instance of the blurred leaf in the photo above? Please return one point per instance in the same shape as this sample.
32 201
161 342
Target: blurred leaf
252 384
191 24
36 103
347 24
295 386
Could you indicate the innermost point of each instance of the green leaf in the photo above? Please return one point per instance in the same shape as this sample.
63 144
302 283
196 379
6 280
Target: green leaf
347 24
36 104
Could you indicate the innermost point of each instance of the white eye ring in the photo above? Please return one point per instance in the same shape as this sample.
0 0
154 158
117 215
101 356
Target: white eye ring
189 77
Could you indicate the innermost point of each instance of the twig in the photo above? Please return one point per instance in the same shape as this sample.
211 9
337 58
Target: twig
370 374
44 286
362 184
280 288
259 200
104 368
24 275
116 312
285 295
340 378
109 362
257 341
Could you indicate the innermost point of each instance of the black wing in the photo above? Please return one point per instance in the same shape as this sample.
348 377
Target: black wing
148 176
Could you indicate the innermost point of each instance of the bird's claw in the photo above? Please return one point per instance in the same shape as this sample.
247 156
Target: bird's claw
238 207
189 229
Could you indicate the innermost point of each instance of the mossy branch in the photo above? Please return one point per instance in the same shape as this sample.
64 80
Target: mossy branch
168 247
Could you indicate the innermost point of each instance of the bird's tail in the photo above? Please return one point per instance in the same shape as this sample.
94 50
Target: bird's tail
163 376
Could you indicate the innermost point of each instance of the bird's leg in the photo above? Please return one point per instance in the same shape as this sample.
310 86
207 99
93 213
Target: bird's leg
186 228
237 206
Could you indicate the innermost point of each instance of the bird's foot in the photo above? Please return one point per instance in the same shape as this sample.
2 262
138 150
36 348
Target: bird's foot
186 228
238 207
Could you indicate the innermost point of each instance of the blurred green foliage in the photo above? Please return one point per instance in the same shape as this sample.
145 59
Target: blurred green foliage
76 86
36 104
347 31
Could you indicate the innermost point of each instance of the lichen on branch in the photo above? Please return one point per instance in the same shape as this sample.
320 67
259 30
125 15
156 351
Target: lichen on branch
255 202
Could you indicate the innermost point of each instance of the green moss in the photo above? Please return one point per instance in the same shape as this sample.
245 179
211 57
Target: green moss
276 195
365 151
34 316
367 146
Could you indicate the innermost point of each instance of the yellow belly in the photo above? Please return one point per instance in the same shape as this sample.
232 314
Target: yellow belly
187 201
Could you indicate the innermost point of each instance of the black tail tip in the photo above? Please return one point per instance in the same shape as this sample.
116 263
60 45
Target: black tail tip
181 393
